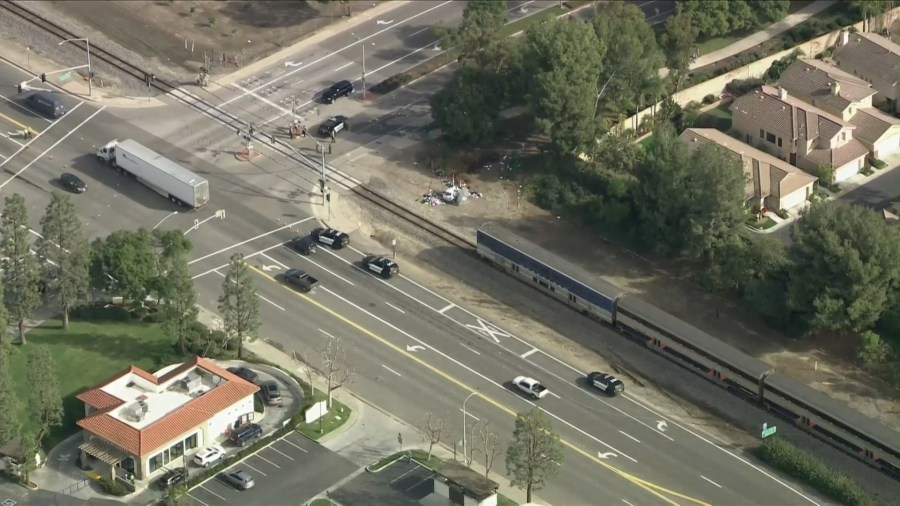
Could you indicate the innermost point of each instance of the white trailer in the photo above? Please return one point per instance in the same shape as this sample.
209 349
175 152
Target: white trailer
157 172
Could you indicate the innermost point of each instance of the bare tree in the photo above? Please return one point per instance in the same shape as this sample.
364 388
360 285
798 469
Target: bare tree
337 371
469 455
307 368
489 445
432 431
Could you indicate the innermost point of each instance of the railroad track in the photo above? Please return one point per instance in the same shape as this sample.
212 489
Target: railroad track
225 118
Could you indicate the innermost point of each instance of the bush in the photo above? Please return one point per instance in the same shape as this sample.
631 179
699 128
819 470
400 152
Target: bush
798 464
743 86
113 487
783 214
391 83
878 164
100 312
709 99
867 170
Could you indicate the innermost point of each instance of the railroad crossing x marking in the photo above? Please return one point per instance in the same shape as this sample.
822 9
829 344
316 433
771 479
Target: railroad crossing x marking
487 330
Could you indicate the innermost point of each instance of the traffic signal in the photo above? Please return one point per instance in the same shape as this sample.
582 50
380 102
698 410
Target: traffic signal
19 87
322 185
43 78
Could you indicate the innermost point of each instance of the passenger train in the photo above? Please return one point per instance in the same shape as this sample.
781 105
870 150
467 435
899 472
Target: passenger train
727 367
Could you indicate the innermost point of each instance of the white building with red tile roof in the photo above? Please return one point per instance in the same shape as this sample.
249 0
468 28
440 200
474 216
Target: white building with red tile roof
141 424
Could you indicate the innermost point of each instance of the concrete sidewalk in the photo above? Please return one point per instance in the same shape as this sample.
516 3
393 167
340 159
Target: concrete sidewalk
761 36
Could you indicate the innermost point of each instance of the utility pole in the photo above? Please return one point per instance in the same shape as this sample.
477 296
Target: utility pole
323 182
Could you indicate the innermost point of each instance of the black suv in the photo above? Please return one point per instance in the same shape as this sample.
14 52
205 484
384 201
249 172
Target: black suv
174 477
244 373
330 236
336 91
245 434
304 245
333 125
384 267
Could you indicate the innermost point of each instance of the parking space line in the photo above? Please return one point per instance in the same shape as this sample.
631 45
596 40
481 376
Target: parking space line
281 452
295 446
404 474
198 500
255 469
267 460
213 493
423 480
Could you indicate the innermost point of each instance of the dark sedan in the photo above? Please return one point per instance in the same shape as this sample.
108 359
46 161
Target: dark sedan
72 183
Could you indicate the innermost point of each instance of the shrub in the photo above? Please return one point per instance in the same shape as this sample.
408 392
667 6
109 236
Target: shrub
391 83
878 164
113 487
867 170
709 99
744 86
100 312
783 214
798 464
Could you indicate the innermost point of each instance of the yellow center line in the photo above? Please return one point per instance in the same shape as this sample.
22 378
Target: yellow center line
14 122
652 488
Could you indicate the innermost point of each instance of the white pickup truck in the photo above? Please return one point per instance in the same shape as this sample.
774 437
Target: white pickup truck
531 387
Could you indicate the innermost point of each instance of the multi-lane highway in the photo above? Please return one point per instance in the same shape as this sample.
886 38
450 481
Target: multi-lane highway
415 350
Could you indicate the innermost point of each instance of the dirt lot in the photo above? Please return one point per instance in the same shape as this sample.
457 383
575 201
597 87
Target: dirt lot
182 35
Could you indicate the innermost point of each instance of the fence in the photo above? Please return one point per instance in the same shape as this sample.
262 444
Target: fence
716 85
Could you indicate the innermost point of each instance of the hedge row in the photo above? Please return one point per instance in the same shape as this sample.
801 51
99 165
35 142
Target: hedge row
795 462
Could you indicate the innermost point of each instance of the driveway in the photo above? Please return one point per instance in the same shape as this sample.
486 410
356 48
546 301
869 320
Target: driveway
292 470
400 484
880 193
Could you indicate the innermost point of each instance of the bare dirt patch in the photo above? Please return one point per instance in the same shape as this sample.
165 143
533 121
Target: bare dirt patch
183 36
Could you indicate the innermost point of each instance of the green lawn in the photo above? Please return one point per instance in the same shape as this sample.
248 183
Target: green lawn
765 224
331 421
718 118
87 354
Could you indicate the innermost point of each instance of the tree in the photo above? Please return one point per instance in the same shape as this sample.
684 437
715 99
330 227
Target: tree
688 201
678 44
873 351
850 266
467 109
714 18
64 253
337 369
825 171
564 61
489 445
179 307
535 453
239 304
20 265
480 33
432 431
170 247
125 263
872 8
4 318
45 401
633 57
9 404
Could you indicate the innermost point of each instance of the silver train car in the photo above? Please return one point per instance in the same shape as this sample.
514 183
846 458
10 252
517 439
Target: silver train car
742 375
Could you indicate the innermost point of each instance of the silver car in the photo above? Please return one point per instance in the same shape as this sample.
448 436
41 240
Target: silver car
240 479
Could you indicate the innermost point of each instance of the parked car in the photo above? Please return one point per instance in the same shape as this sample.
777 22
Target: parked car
334 125
209 456
244 373
246 433
606 383
240 479
384 267
330 236
531 387
72 183
305 245
173 477
270 393
336 91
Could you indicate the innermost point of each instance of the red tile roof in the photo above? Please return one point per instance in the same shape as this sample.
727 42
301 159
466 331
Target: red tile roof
190 415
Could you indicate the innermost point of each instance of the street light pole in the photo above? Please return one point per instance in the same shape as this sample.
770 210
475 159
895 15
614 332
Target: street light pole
90 73
363 44
464 424
325 199
173 213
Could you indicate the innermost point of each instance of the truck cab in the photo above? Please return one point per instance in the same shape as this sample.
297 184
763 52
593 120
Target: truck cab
107 153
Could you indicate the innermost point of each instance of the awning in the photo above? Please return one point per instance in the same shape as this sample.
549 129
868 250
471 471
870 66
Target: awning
104 451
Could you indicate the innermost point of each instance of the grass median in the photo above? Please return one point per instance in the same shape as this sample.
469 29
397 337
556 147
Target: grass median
330 421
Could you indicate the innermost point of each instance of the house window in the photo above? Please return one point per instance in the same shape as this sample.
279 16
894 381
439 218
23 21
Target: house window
176 450
843 136
191 442
156 462
761 133
770 137
779 142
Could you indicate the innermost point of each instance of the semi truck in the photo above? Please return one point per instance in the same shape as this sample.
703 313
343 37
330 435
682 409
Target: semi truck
157 172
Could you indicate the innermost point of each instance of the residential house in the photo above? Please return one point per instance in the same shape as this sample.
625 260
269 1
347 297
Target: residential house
797 132
771 183
875 59
137 424
847 97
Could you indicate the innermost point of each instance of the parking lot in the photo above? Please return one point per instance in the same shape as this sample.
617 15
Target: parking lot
400 484
292 470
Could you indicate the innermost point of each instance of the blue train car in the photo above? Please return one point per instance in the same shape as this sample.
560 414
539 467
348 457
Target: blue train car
548 272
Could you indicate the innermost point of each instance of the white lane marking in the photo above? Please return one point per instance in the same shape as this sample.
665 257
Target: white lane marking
707 441
247 257
258 295
389 369
707 479
260 236
213 493
395 307
470 349
417 32
345 280
327 334
267 460
255 469
265 100
281 452
295 446
469 414
446 308
22 107
529 353
554 394
198 500
582 432
626 502
636 440
342 67
38 157
355 43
